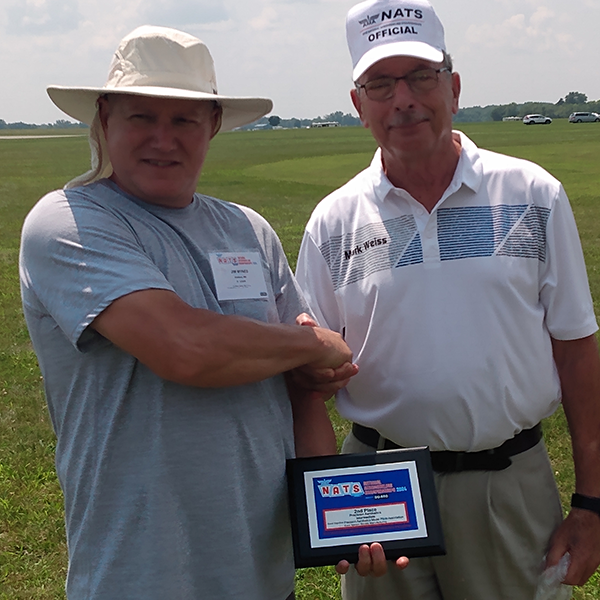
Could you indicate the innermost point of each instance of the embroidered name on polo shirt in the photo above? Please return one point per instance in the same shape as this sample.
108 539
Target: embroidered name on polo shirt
364 247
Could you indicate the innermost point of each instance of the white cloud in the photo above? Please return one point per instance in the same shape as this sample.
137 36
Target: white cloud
181 13
267 19
542 13
539 32
42 17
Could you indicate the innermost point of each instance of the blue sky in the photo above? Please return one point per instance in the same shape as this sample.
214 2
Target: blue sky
294 51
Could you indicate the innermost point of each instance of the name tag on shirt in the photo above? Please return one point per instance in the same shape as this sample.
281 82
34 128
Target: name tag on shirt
238 275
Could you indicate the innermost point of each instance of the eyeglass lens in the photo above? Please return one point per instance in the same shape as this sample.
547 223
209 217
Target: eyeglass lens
420 81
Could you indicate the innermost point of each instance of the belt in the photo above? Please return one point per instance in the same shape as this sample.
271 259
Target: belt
446 461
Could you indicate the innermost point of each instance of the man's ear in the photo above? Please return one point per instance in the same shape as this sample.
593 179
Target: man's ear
354 95
456 86
103 111
217 120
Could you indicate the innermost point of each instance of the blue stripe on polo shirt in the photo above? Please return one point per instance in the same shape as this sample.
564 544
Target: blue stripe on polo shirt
466 232
413 254
481 231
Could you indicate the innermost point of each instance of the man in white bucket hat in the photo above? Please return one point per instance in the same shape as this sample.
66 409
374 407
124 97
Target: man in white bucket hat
163 321
457 277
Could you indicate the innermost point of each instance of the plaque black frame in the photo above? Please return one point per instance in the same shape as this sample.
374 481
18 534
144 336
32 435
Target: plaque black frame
307 556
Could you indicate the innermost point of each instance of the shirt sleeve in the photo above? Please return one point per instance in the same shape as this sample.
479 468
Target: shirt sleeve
76 258
564 287
315 281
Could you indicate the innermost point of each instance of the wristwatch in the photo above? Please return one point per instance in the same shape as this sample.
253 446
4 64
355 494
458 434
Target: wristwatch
586 502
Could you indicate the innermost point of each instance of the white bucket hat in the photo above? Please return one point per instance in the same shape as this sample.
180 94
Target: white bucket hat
378 29
158 62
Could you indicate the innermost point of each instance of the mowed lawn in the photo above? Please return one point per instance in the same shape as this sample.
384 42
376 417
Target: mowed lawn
282 174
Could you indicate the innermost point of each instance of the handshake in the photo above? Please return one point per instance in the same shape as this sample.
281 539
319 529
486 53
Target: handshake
332 368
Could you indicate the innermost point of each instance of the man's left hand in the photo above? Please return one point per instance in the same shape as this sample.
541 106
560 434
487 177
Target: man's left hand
579 535
324 382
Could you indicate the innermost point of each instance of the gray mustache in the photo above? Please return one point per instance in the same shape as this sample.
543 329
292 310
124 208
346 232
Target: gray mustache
406 118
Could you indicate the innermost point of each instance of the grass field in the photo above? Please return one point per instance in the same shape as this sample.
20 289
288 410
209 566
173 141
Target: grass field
282 174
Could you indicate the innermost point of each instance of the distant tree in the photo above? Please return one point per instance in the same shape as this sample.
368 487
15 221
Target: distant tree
512 110
350 120
341 118
295 123
338 116
21 125
64 124
274 121
560 102
474 114
498 113
575 98
2 124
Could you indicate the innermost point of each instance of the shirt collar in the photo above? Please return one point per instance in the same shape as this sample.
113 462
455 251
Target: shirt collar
469 171
381 184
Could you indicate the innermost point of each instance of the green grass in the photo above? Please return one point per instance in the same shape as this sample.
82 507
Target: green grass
282 174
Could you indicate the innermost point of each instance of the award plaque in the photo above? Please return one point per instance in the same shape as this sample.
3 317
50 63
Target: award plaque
338 503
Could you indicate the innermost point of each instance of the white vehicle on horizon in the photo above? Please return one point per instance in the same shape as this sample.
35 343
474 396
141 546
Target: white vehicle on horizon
583 117
533 119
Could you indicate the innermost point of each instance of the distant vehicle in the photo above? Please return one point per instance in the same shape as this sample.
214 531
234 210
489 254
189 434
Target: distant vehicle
533 119
583 117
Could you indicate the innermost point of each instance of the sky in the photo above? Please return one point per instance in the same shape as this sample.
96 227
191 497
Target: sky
294 51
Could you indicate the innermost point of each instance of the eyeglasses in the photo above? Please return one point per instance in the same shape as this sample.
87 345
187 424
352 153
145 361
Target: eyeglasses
419 82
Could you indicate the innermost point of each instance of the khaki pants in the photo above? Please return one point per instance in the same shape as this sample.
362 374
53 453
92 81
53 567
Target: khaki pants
496 524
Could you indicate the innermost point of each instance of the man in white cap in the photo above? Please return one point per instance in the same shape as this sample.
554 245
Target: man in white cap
163 321
457 279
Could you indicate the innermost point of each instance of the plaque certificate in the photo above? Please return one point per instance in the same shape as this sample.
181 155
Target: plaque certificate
340 502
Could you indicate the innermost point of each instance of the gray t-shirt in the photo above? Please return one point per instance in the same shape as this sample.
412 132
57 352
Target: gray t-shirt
171 491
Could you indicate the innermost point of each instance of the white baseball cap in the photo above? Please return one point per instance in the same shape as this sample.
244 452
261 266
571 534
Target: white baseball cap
378 29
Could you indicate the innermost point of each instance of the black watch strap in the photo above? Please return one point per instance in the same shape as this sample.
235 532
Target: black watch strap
586 502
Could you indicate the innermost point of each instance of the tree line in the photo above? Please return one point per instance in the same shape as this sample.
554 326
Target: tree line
58 124
572 102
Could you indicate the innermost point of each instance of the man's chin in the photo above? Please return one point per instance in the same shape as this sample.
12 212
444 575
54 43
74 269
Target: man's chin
160 193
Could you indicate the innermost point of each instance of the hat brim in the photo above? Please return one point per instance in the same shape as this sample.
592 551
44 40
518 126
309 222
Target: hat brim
80 103
405 48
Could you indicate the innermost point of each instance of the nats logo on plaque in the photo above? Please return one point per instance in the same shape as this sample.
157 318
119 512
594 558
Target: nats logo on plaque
376 505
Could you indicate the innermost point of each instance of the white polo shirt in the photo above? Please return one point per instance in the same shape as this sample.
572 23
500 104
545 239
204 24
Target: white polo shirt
449 314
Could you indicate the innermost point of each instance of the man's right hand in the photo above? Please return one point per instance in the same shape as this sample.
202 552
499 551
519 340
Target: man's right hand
333 370
335 349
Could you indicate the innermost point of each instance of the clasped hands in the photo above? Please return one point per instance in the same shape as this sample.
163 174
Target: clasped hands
333 371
